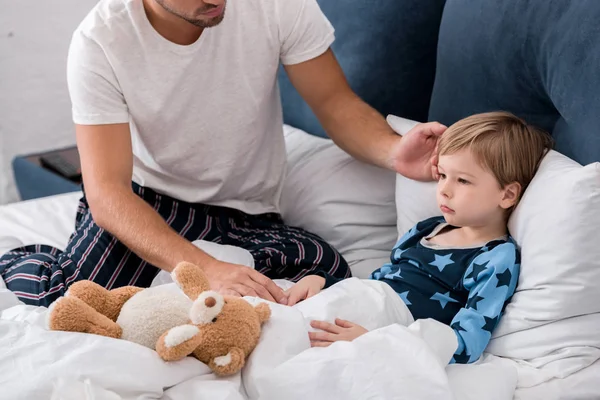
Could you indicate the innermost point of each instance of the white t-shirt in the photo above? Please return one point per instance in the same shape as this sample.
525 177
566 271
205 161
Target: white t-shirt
205 119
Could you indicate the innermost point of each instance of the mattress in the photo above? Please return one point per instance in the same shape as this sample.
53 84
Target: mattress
584 384
51 220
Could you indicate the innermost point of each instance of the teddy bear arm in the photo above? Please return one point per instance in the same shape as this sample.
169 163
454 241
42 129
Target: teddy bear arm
263 311
178 342
229 363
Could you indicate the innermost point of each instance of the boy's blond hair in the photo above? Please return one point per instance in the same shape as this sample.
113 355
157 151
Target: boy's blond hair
502 143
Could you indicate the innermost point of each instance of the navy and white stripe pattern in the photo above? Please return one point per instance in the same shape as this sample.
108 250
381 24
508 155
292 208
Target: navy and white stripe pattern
39 274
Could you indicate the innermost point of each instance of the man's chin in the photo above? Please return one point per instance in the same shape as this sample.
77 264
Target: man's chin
216 20
208 22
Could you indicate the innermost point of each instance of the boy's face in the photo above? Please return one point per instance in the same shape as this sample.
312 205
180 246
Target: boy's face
468 194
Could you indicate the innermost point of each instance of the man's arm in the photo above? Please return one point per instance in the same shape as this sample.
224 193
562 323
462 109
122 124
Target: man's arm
358 128
352 124
107 166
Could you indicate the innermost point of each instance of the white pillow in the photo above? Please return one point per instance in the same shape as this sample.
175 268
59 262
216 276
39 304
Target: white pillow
348 203
555 312
413 203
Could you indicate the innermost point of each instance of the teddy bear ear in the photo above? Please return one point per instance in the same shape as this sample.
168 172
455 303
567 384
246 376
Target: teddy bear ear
190 278
206 307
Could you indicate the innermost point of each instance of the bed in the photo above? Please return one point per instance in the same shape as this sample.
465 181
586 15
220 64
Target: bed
526 58
46 365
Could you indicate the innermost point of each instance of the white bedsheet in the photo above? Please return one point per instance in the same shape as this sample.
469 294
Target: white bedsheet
115 369
49 220
581 385
392 362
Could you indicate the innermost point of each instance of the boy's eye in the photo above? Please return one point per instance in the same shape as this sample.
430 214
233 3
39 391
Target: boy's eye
463 181
442 176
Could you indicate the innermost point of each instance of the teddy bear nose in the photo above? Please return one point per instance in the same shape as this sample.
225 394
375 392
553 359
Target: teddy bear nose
206 307
210 302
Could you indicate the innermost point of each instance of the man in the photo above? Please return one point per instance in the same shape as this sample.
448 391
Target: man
192 116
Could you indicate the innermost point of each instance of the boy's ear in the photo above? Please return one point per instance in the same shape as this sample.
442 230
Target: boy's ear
511 195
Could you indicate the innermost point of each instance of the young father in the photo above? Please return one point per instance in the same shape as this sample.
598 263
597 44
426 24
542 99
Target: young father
179 128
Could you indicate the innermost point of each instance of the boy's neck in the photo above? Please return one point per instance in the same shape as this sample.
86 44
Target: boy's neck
468 236
483 234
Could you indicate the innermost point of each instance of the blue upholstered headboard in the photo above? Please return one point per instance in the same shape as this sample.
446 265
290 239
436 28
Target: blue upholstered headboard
387 50
539 59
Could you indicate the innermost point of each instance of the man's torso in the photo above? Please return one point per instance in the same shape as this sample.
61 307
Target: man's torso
205 119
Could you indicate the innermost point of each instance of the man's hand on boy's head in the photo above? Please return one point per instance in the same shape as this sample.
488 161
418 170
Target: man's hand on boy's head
341 331
305 288
414 155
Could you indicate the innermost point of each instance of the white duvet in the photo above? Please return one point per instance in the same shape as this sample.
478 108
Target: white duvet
392 361
75 366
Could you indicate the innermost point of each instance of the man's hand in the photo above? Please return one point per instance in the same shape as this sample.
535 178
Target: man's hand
240 280
305 288
415 154
342 330
359 129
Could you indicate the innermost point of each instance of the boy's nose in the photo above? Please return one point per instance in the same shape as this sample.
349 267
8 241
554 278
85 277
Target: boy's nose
446 190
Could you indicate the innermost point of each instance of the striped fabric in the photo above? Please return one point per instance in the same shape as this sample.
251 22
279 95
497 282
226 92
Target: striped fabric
40 274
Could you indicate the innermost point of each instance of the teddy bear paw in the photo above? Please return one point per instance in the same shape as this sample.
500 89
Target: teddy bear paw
230 363
223 360
180 334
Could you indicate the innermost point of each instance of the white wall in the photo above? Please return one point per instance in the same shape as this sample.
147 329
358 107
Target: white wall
35 110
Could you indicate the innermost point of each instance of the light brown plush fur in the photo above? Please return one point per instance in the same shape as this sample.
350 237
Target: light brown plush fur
222 339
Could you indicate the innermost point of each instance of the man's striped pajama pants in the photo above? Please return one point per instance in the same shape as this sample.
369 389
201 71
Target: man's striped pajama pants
39 274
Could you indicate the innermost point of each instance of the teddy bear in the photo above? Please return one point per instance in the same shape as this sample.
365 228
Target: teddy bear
221 331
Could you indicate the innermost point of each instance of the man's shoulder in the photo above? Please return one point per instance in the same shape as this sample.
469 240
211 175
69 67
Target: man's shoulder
107 20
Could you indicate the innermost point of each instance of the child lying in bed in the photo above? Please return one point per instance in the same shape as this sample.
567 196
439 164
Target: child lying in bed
460 268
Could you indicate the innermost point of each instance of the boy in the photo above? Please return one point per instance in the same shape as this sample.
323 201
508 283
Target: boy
460 268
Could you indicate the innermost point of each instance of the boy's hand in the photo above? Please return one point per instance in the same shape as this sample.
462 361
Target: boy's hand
305 288
342 330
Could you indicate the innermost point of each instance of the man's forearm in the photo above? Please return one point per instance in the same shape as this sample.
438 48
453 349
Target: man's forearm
139 227
358 129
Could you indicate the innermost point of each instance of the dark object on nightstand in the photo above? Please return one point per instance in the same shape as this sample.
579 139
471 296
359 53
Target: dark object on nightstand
59 163
49 173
